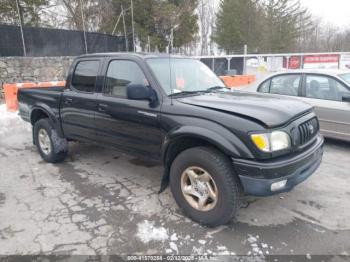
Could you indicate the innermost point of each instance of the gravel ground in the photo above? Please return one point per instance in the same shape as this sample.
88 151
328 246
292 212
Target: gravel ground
102 202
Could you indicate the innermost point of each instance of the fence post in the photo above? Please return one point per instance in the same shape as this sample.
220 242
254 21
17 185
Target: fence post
82 18
125 35
245 60
20 15
133 26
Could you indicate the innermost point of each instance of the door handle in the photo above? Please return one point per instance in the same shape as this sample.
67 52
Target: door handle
68 101
102 107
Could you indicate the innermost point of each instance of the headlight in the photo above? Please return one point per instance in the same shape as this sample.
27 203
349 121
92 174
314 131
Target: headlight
271 142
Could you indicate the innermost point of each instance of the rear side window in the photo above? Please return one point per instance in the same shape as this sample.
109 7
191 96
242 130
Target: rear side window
323 87
285 85
84 77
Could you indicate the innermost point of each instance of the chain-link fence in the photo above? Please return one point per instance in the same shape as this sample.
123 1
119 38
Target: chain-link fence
222 65
55 42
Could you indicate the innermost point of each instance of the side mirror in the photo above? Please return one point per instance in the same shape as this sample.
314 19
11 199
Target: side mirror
346 98
139 92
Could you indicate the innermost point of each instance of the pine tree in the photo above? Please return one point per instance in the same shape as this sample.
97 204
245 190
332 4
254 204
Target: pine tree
282 25
265 26
238 23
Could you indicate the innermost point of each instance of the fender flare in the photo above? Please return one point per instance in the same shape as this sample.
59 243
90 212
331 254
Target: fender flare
232 146
50 113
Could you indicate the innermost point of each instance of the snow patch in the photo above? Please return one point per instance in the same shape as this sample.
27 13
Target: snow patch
173 246
256 247
221 248
147 232
174 237
202 241
10 120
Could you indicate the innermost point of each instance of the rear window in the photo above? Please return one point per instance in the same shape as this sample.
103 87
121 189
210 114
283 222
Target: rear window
84 77
345 77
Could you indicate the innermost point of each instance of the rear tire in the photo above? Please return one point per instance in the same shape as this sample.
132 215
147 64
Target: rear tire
222 190
51 147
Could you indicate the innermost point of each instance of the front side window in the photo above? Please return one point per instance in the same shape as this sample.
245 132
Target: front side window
178 75
285 85
323 87
120 74
84 77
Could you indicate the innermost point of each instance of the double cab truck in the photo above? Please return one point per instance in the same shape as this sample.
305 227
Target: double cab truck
215 145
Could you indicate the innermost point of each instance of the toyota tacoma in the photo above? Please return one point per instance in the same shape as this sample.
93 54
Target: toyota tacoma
215 144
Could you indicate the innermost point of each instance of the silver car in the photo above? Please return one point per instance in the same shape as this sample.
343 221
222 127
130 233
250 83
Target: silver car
328 91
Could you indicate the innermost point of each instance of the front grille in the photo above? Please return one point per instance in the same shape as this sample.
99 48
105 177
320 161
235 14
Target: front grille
308 130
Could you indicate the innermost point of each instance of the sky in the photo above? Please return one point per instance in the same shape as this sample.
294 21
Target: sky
336 12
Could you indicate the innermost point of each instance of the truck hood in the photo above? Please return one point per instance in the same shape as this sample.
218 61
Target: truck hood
270 110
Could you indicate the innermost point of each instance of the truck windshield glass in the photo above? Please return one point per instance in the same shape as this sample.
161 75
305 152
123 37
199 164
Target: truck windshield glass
345 77
187 75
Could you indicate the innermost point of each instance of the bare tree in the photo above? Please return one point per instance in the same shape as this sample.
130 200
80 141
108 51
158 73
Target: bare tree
206 15
68 13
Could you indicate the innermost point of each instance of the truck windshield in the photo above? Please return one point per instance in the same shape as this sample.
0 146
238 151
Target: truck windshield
181 75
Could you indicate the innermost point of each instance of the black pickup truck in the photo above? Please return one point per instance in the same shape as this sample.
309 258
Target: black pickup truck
215 144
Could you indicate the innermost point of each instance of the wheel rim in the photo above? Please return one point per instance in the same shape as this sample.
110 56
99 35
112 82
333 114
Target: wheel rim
44 141
199 189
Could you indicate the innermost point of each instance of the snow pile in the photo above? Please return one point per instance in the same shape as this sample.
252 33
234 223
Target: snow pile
147 232
7 119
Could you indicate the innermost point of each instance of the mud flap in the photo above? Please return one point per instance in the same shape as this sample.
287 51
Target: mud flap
59 144
165 180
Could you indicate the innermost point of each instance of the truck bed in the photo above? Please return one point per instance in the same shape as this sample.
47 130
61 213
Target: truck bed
29 98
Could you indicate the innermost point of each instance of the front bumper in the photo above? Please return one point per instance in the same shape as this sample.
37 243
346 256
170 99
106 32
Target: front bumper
257 177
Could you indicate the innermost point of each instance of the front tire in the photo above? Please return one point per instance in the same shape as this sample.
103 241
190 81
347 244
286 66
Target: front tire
51 147
204 185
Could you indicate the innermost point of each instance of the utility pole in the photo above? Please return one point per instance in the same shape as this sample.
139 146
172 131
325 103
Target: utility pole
125 35
149 44
20 15
82 18
133 26
171 43
172 39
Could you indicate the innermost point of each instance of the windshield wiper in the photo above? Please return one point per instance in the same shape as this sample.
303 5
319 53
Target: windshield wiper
211 89
187 93
214 88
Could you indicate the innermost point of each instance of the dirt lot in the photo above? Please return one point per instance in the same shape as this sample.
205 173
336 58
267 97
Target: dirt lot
101 202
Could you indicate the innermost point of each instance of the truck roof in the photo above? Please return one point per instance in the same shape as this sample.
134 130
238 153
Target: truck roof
141 55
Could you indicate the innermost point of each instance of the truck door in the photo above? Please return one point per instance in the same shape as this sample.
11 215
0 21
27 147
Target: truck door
130 125
78 102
